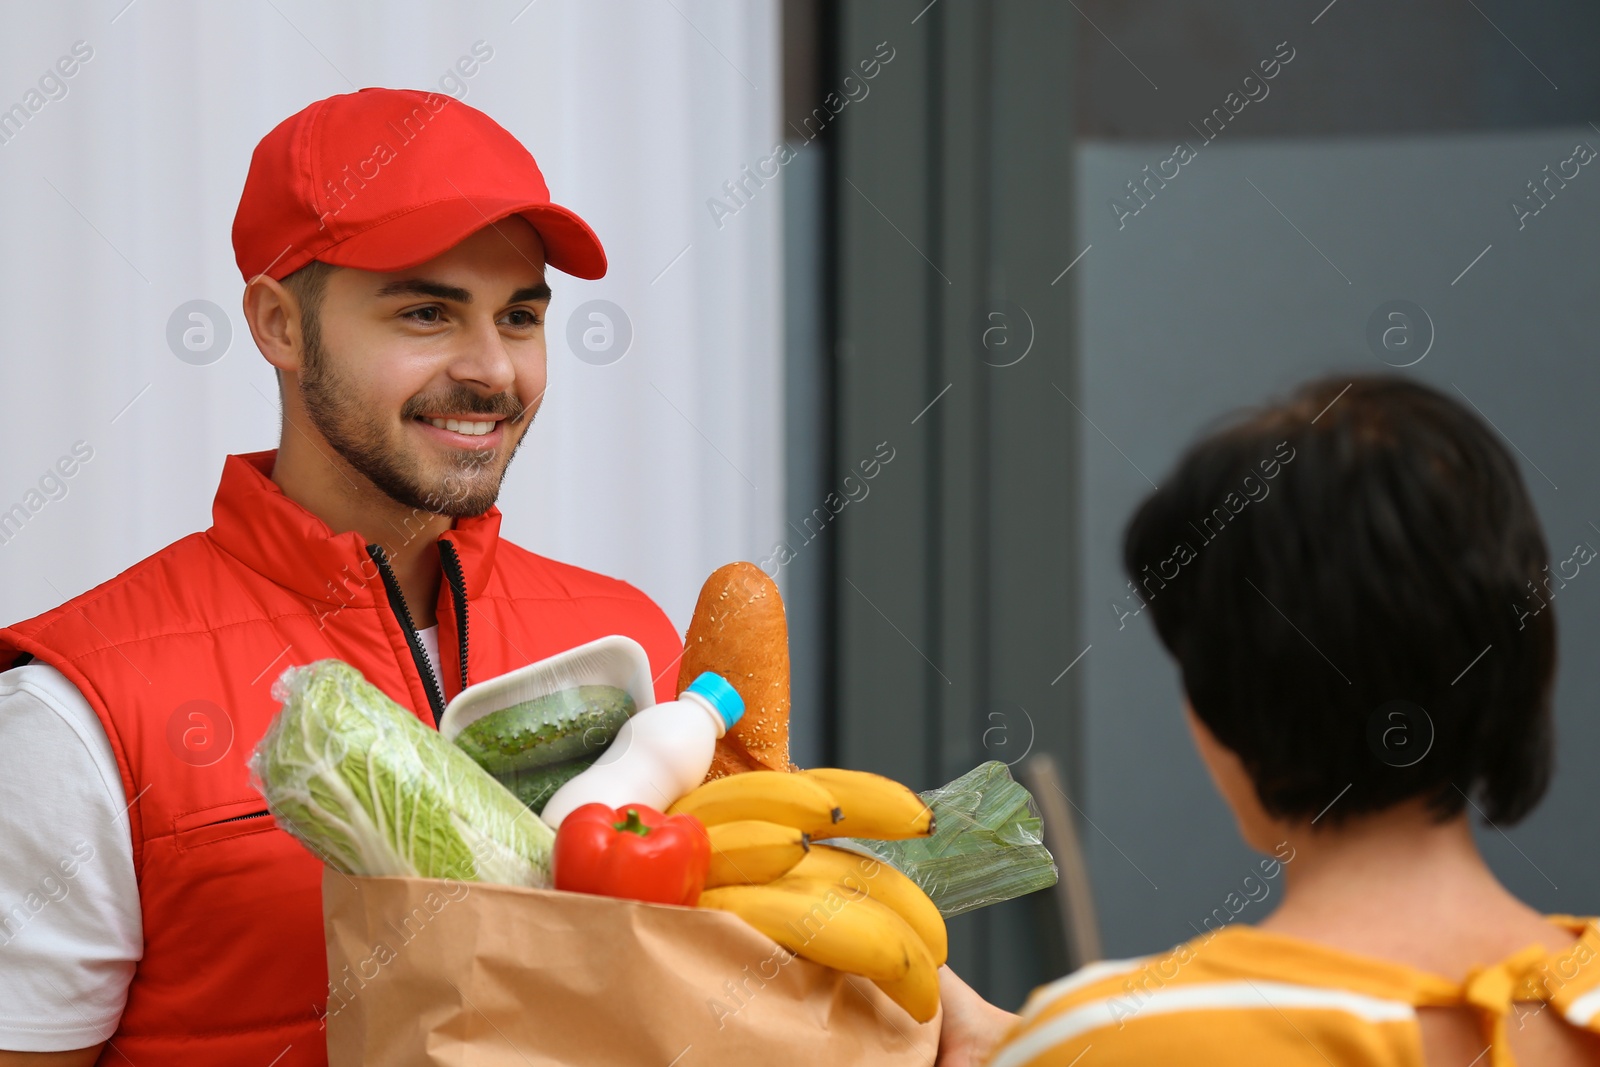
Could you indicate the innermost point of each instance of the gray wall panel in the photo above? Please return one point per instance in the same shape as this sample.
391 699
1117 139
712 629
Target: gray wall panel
954 574
1210 299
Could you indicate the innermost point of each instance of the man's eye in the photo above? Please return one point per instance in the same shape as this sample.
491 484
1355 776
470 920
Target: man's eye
528 318
417 314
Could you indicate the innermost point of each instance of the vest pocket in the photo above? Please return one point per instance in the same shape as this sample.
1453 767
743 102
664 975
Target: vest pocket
221 822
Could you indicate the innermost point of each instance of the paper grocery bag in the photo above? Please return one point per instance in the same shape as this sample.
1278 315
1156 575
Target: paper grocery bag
423 971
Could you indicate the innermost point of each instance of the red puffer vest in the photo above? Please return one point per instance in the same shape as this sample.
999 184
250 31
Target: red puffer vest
178 654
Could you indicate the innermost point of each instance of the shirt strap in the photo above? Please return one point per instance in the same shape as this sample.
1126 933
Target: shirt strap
1489 991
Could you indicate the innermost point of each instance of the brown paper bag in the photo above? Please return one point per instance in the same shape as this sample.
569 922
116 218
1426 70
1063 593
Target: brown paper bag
453 973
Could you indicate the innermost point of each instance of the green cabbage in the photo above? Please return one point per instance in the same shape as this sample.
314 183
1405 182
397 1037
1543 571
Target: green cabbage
369 788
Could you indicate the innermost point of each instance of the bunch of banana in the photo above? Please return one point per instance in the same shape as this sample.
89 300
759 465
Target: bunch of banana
753 851
825 802
829 905
770 796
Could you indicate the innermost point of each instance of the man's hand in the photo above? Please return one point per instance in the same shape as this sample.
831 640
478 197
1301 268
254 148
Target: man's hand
972 1026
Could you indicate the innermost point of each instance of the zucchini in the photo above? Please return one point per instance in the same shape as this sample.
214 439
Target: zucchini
565 725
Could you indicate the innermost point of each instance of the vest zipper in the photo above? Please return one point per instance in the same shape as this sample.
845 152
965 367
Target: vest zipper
236 818
419 655
450 560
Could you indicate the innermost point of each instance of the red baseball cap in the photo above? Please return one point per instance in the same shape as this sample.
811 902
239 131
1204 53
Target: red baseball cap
385 179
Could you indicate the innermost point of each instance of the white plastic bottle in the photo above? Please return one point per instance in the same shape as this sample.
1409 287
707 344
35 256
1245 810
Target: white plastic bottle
658 755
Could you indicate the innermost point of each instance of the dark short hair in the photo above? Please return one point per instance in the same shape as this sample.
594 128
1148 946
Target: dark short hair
1357 544
309 284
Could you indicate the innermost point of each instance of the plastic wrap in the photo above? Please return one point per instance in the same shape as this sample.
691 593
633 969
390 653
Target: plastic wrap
536 728
370 789
987 845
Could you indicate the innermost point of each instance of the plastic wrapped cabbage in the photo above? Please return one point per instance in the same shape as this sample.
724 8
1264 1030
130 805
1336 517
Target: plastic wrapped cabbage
987 845
373 791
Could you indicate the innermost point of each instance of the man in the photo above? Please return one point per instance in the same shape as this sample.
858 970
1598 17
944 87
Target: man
394 246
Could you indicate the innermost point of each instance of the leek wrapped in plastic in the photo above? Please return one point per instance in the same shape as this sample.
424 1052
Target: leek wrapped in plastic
987 845
370 789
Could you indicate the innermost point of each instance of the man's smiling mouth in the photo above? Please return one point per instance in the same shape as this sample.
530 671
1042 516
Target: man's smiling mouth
470 427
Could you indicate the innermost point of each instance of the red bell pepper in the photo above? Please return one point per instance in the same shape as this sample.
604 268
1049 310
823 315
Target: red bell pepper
633 852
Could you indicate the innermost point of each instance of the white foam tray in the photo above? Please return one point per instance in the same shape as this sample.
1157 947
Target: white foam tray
615 660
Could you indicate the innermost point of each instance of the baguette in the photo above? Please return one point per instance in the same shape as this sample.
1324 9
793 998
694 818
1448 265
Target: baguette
739 631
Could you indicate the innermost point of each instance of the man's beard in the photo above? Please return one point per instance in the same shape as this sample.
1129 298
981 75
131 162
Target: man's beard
471 488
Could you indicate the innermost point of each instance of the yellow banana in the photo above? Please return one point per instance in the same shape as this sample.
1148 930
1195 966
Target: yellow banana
771 796
823 923
750 851
918 991
885 885
873 806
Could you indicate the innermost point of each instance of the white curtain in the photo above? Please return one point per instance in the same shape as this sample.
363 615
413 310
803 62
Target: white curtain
120 182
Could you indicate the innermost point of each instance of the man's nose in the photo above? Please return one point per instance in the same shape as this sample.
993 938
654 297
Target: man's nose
482 358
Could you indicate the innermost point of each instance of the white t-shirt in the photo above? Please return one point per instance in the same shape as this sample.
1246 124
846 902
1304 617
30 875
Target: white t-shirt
70 926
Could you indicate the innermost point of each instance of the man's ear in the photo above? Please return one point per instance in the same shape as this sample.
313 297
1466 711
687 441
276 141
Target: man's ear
273 314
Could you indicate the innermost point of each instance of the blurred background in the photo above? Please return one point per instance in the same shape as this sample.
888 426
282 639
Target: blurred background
910 303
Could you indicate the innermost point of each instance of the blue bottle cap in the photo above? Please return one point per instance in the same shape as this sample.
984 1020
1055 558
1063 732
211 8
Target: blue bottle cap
722 696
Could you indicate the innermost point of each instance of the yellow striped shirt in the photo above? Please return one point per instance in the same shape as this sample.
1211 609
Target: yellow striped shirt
1243 995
